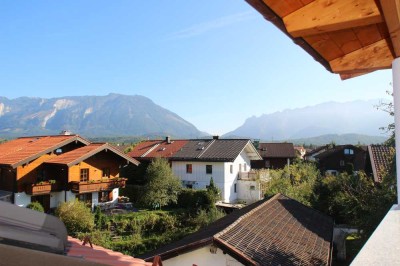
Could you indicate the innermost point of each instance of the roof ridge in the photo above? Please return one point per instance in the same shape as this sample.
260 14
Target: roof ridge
206 148
150 150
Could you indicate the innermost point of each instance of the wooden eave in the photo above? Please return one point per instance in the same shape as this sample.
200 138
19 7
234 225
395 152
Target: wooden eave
348 37
97 150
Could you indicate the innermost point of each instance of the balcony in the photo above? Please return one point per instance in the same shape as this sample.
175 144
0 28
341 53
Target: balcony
41 188
254 175
97 185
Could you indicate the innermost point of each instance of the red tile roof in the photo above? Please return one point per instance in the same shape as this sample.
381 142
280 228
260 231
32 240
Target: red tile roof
81 154
101 255
22 150
380 157
150 149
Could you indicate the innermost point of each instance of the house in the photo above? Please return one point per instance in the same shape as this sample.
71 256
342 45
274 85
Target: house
275 231
227 161
342 158
274 155
29 237
54 169
310 155
195 161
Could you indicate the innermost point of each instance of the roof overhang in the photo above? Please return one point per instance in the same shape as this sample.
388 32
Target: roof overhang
105 147
51 149
348 37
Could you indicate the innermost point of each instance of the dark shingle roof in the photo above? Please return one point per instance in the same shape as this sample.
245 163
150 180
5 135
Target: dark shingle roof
276 150
277 231
380 156
216 150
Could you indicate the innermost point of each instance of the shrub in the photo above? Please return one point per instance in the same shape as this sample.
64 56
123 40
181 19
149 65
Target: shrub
36 206
76 216
196 199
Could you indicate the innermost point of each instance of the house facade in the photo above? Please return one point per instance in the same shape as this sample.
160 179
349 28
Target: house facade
55 169
224 160
342 158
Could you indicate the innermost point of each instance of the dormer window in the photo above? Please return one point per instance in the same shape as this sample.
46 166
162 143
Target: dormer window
348 151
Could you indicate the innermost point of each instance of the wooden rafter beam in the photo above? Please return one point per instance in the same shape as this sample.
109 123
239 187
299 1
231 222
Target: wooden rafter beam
331 15
391 12
372 57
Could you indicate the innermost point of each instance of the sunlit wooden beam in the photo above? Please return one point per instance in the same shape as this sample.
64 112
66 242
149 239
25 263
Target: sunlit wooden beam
349 76
372 57
391 12
331 15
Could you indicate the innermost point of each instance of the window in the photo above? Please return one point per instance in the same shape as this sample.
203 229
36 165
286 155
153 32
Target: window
245 167
231 169
234 188
267 164
240 168
84 175
86 197
189 168
208 169
189 186
105 196
348 151
106 172
252 187
341 163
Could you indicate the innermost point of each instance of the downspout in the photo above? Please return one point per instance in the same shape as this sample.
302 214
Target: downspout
396 102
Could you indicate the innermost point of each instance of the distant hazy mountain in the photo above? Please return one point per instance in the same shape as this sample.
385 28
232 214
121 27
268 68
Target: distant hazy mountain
110 115
341 139
358 117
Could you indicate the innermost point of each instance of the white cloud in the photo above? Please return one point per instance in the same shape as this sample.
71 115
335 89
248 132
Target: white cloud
204 27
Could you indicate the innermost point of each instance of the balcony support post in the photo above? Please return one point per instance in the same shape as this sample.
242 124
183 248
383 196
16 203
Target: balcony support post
396 102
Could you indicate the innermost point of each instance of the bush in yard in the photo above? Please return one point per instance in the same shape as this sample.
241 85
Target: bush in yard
36 206
76 216
195 199
163 186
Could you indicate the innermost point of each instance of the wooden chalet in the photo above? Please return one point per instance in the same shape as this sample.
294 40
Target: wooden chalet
53 169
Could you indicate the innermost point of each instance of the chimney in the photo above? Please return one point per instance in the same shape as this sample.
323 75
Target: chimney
168 139
216 137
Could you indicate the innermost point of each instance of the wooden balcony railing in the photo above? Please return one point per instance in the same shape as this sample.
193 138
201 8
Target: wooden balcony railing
97 185
39 188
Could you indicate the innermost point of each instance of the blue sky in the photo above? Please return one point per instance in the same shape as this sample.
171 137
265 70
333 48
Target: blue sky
214 63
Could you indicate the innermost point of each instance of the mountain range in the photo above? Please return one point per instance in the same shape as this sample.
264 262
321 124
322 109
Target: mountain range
117 115
91 116
357 117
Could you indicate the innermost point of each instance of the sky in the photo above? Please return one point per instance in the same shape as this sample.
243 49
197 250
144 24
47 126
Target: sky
214 63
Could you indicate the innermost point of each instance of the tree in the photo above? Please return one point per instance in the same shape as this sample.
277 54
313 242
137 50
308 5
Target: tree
214 191
76 216
295 181
162 186
35 206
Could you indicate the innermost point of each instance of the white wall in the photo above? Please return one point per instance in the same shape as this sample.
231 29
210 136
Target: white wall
56 198
246 193
202 257
223 178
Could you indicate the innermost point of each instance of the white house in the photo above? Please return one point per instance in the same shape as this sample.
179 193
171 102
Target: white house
224 160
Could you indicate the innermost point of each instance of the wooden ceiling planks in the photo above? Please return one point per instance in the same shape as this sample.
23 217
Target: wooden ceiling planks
331 15
353 37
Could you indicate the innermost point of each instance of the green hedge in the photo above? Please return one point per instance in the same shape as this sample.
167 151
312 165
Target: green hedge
195 199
